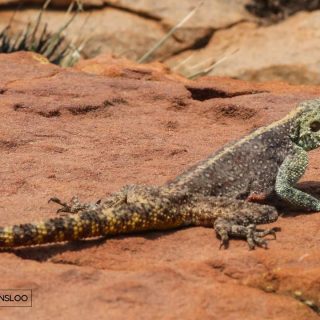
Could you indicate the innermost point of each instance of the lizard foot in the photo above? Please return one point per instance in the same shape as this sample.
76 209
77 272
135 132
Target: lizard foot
74 206
254 237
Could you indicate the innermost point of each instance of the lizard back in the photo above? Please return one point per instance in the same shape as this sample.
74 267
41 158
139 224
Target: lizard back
242 167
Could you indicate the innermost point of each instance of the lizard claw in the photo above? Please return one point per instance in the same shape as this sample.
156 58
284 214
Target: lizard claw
65 206
224 244
274 231
57 200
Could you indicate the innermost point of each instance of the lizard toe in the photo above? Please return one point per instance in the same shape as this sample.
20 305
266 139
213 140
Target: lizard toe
254 237
74 206
224 243
272 231
64 206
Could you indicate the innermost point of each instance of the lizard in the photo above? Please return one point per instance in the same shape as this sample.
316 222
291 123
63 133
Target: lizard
219 192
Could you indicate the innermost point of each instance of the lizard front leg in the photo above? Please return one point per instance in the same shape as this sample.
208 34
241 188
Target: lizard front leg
291 170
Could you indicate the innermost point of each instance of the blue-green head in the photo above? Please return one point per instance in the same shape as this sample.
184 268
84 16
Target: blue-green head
306 125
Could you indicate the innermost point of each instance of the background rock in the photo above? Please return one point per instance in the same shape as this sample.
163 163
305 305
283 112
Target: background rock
68 132
244 46
108 65
288 51
119 27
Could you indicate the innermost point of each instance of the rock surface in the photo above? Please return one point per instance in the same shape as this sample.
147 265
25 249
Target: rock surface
66 132
119 27
288 51
108 65
106 30
250 50
171 12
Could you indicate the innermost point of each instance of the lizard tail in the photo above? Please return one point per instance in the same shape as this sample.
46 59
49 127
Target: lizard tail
88 224
71 227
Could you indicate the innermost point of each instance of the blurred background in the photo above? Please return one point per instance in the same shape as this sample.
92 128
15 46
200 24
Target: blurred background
258 40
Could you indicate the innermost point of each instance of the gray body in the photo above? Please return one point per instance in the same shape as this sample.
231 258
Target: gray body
242 168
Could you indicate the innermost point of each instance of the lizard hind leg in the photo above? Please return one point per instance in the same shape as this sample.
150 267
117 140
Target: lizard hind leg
127 194
74 206
241 223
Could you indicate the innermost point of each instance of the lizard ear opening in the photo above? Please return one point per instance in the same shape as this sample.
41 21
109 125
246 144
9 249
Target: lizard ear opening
315 126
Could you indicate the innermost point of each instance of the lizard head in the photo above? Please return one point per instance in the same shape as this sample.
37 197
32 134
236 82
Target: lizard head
306 128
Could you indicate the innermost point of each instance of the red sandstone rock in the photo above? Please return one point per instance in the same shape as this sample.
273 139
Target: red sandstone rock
66 132
108 65
287 51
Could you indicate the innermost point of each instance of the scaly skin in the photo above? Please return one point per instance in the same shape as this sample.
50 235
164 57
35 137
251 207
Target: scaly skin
214 193
140 208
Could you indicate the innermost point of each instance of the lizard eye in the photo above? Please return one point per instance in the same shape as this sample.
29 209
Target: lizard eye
315 126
